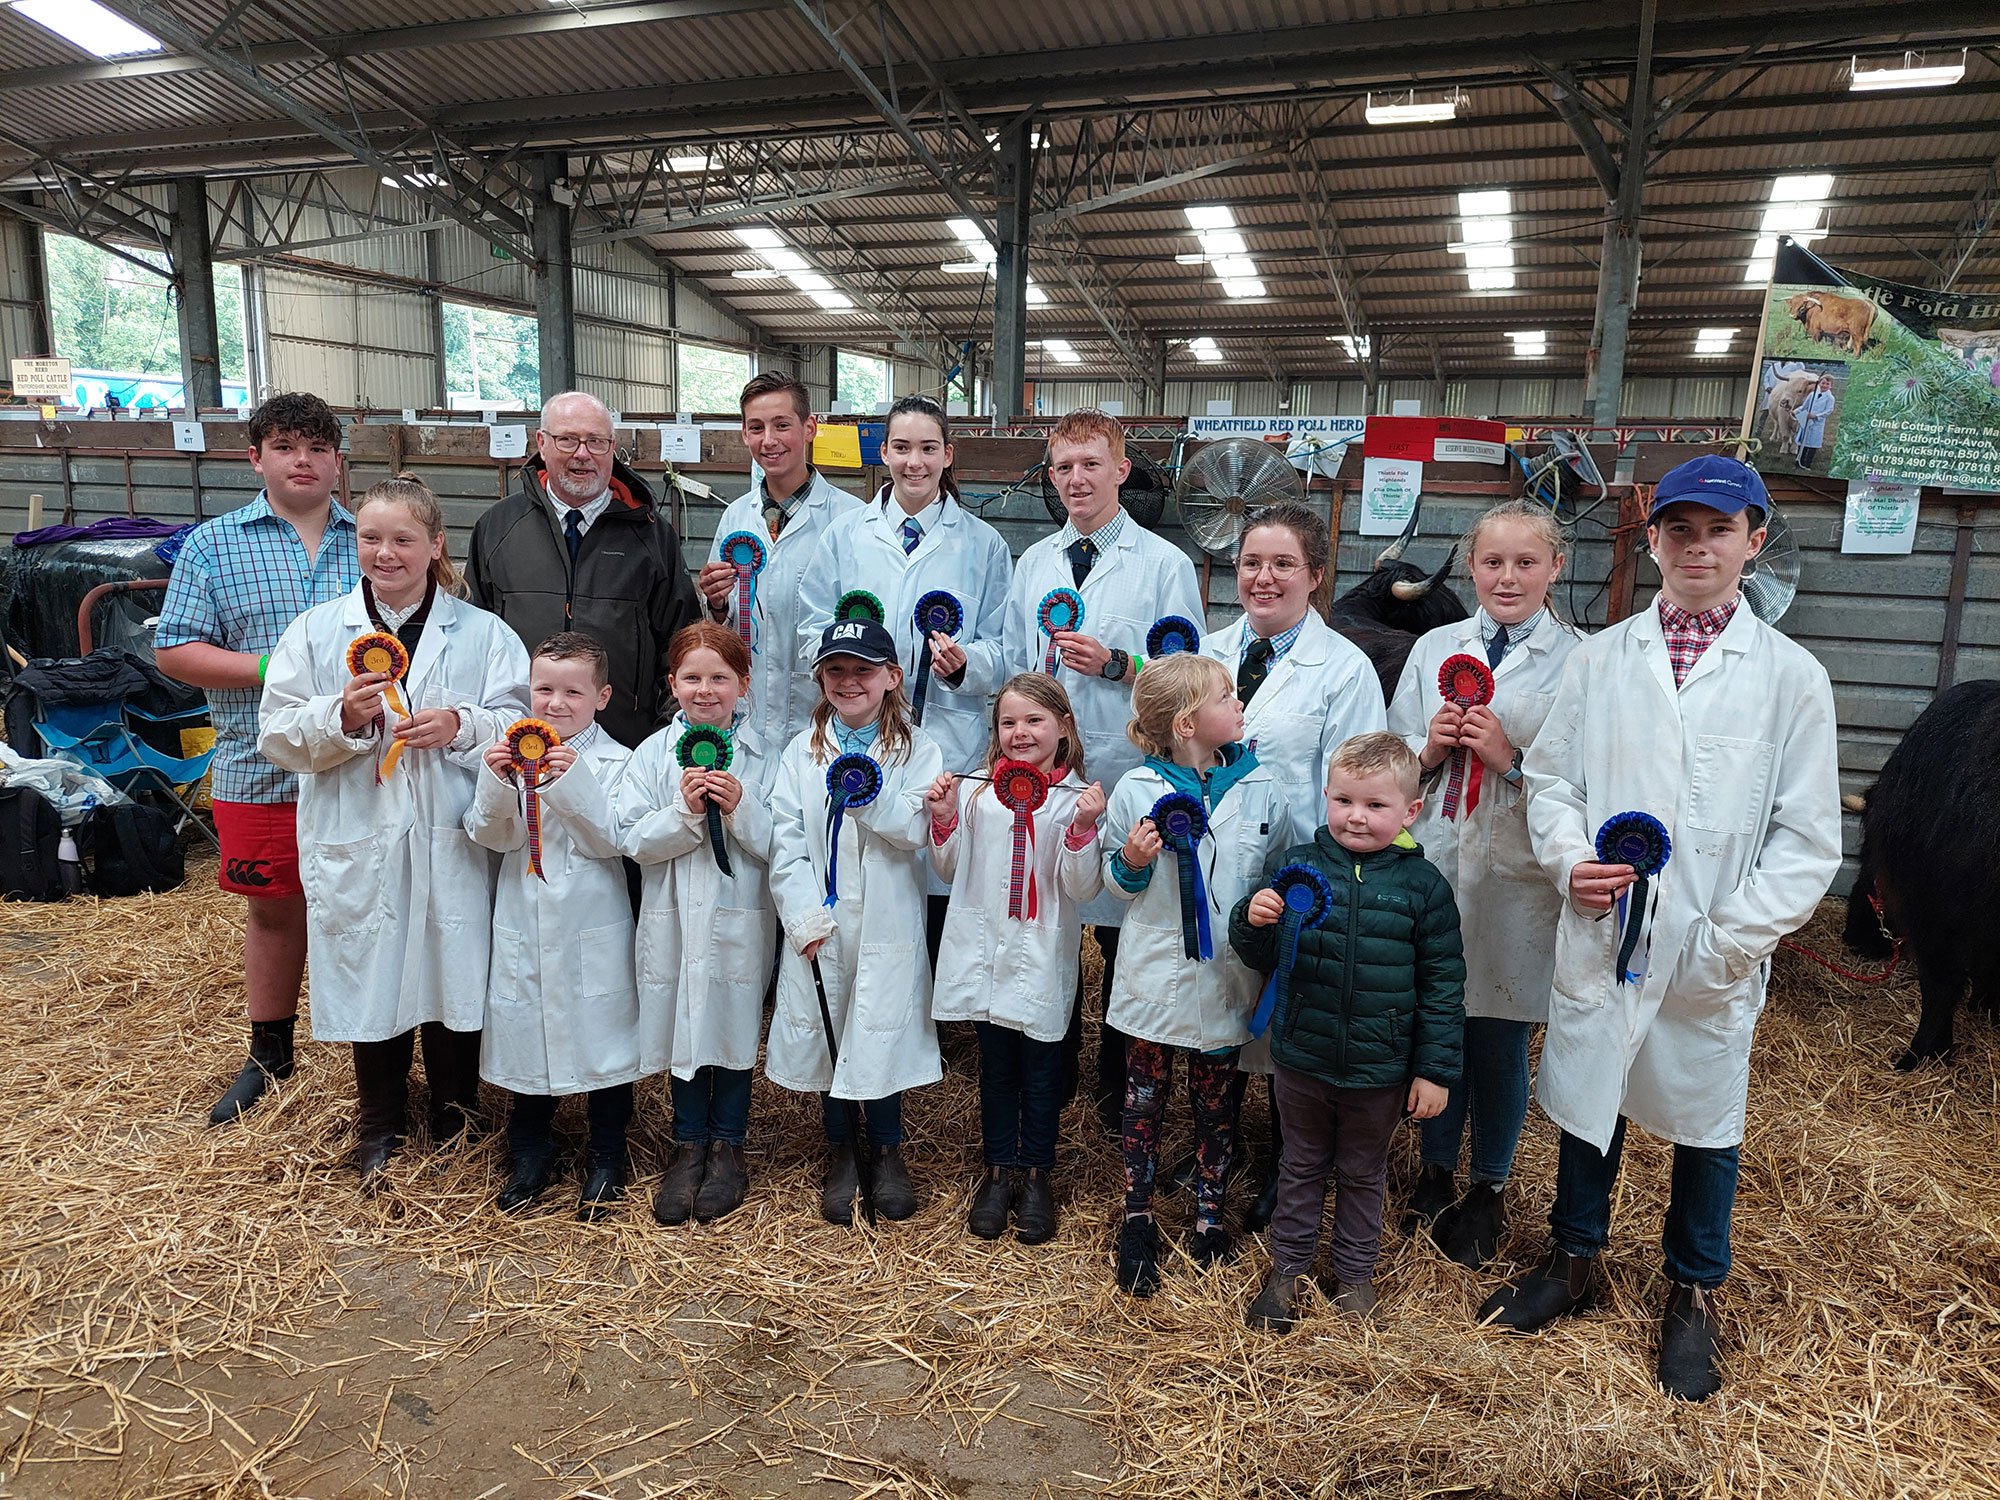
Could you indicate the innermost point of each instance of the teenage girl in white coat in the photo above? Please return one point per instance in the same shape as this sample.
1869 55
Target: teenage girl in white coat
1507 906
1009 963
399 900
867 946
705 937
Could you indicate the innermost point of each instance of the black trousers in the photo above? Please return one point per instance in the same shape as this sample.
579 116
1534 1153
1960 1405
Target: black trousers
382 1081
1110 1086
531 1122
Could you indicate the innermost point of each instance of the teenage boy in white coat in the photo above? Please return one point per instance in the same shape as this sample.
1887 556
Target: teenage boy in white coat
787 510
1699 714
1128 578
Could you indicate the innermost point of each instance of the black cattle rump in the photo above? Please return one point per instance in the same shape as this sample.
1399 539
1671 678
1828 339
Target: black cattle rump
1386 612
1930 852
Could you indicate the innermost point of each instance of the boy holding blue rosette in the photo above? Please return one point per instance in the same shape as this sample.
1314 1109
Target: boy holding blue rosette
1684 795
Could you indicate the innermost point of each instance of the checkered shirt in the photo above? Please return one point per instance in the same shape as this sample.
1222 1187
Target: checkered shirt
1688 635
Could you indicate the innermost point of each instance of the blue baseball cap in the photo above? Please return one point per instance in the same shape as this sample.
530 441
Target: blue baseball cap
1724 484
863 638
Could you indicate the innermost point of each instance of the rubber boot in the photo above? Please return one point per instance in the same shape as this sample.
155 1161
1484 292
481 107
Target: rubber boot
271 1061
1687 1344
674 1203
841 1183
724 1181
382 1095
1035 1208
992 1204
895 1194
1566 1285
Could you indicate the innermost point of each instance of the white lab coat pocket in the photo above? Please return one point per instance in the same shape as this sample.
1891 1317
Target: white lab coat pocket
1729 784
1586 956
885 989
1710 985
604 960
344 882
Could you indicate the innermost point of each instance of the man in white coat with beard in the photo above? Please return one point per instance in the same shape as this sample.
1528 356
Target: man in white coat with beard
1698 714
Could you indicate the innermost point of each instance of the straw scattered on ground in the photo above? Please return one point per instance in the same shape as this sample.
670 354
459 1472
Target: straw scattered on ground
190 1312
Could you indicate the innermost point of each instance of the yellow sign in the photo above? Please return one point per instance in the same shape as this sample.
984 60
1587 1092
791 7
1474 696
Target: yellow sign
838 447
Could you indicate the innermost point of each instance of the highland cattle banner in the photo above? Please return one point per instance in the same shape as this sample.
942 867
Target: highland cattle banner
1860 378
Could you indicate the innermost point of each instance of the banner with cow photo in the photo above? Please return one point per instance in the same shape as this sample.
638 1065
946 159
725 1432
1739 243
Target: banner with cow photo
1860 377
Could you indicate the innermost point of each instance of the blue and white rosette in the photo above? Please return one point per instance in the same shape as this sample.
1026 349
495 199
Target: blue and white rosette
1183 824
1060 609
853 780
744 551
1640 840
1171 633
938 610
1308 897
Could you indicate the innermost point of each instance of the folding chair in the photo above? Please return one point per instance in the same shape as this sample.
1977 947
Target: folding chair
98 737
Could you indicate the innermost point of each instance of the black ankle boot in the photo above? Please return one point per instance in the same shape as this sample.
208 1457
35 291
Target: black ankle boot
895 1194
1264 1207
992 1204
1035 1208
1687 1344
603 1190
1566 1285
841 1183
533 1167
271 1061
1436 1190
1469 1231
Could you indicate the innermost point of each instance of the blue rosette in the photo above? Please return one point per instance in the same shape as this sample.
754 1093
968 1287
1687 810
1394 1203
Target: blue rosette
938 610
1060 609
1183 824
744 551
853 780
1308 897
1640 840
1171 633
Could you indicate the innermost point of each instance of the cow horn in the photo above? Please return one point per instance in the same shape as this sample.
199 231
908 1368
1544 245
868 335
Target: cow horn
1394 551
1412 590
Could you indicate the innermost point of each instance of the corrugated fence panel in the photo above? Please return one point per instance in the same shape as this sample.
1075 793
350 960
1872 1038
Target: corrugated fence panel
353 344
626 369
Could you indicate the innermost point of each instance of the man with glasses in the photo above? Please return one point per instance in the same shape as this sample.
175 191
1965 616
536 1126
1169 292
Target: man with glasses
581 545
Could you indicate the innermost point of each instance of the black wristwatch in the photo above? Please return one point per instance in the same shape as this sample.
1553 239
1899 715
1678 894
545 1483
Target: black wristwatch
1115 669
1512 775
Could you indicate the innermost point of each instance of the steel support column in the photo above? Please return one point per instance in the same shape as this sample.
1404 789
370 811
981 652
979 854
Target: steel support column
1618 271
1156 382
1013 187
555 281
194 294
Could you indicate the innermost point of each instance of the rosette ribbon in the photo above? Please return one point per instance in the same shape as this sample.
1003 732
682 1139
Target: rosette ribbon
379 651
1183 825
706 748
1060 609
1308 898
859 604
1639 840
853 780
529 742
744 551
1468 682
937 610
1021 788
1171 633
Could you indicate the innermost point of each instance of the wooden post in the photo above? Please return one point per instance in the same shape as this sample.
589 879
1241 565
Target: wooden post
1625 544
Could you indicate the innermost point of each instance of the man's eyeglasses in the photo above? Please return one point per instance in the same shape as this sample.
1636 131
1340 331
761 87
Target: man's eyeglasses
569 442
1283 569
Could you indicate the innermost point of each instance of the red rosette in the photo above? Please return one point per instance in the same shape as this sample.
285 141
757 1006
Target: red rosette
529 742
1466 681
1021 788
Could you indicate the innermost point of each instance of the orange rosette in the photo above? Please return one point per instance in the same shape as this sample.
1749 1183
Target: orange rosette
379 651
529 741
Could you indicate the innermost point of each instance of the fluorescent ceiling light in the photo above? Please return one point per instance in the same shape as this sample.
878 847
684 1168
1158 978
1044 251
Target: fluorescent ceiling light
1036 296
1219 242
1409 110
1490 281
689 163
1356 348
1488 257
86 24
964 267
758 273
1193 259
1485 204
759 238
1236 268
1909 72
1247 286
1209 216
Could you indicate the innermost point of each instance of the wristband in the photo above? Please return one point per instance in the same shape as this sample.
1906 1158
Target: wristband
263 665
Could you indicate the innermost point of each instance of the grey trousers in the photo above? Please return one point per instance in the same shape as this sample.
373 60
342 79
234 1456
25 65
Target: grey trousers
1341 1134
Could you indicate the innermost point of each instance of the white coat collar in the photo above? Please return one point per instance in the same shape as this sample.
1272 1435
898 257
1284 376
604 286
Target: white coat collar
1737 638
446 612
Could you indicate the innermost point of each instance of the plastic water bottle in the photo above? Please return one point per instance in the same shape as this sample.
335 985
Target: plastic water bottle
70 863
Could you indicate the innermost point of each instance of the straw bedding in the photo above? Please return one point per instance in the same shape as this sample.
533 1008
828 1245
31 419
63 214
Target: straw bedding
146 1262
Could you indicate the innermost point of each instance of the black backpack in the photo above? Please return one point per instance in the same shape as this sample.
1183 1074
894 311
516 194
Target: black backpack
30 836
129 847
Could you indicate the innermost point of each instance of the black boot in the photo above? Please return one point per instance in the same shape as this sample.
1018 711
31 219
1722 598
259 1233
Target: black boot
895 1194
1209 1245
1139 1255
451 1068
271 1061
724 1181
1035 1209
1434 1193
532 1168
382 1094
1260 1213
991 1205
1687 1344
674 1202
603 1190
1566 1285
841 1183
1469 1231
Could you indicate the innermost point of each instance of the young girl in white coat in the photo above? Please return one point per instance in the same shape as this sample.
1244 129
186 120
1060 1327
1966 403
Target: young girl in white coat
1009 959
562 1011
1180 990
706 934
847 874
399 899
1507 907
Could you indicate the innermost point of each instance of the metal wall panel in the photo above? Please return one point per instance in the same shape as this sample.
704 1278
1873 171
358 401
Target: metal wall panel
626 369
20 328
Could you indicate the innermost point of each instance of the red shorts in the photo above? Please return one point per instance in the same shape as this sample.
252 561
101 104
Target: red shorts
260 848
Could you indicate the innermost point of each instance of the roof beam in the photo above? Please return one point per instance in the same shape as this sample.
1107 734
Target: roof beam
1971 228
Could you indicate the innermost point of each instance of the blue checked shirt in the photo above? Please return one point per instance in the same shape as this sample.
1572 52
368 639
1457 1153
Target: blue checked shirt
239 581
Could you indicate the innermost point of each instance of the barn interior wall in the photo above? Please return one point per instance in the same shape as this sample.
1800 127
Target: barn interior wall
20 323
1668 398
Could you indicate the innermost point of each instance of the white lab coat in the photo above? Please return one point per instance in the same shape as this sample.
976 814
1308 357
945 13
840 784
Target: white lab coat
1507 909
877 972
1012 971
782 692
1322 691
1134 583
960 554
1158 993
399 900
705 938
1740 765
1812 415
562 1007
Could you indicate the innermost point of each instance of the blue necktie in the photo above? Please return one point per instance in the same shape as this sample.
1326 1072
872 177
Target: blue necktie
1497 647
913 535
1082 557
573 533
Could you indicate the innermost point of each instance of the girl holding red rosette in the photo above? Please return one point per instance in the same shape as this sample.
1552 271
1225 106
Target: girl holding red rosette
1018 847
1470 702
399 900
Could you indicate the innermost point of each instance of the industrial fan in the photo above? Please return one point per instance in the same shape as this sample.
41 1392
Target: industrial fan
1143 494
1221 485
1771 578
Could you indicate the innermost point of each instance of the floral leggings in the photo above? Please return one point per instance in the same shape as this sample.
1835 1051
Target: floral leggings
1149 1077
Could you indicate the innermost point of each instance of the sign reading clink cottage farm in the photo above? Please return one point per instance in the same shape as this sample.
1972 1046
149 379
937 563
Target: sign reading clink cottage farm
1861 377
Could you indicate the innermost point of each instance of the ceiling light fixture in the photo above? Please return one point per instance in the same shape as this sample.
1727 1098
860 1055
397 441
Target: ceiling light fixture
1910 71
1407 109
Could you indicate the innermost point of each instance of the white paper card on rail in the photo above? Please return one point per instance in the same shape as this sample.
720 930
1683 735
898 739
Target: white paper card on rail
680 443
189 438
1881 517
1389 490
510 441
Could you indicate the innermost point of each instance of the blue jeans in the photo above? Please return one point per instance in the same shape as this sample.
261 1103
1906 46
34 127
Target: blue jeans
714 1105
1695 1242
1493 1093
1020 1103
881 1118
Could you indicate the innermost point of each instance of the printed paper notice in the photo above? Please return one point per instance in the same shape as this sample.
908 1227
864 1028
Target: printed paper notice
41 377
188 437
1881 517
1389 490
510 441
680 444
838 446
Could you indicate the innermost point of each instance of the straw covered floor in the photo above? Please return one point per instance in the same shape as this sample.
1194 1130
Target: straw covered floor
196 1312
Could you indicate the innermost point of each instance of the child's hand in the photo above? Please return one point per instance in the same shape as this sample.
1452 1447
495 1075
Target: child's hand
694 788
430 729
500 760
1594 887
1443 736
1089 807
1266 907
361 701
1426 1101
724 790
1480 732
947 656
941 801
1142 845
559 759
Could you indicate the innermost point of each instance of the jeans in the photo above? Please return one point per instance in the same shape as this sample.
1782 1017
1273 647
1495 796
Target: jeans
1019 1106
714 1105
608 1111
1110 1044
1340 1135
1492 1093
881 1118
1695 1242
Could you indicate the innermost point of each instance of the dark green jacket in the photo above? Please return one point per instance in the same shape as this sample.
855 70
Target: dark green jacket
1377 996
